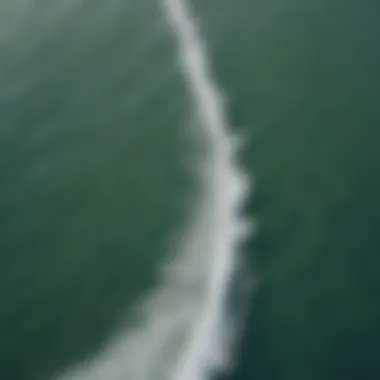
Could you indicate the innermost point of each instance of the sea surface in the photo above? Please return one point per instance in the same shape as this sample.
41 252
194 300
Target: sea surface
189 190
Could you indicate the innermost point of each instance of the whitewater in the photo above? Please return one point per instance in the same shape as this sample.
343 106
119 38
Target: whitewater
181 330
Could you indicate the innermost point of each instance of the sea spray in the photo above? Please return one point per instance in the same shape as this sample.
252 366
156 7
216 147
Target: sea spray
227 188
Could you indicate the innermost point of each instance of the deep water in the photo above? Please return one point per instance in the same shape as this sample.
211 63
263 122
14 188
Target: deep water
303 82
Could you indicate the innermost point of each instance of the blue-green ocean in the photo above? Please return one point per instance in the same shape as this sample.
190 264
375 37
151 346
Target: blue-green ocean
189 190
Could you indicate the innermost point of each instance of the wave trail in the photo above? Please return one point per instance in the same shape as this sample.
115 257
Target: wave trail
226 191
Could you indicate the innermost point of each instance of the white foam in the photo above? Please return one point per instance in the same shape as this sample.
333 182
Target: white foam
179 333
227 189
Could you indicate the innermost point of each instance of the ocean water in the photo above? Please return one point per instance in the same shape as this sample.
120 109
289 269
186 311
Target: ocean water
189 190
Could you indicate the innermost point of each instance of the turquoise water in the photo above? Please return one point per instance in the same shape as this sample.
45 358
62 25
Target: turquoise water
98 142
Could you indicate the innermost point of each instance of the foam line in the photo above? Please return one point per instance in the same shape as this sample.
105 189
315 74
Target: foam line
227 188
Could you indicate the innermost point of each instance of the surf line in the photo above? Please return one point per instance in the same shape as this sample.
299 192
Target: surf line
227 190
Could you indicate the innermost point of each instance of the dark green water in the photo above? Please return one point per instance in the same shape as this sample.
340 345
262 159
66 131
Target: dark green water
304 81
92 175
93 114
